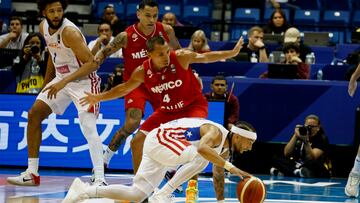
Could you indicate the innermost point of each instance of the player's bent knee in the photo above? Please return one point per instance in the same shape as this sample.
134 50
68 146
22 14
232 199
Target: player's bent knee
137 141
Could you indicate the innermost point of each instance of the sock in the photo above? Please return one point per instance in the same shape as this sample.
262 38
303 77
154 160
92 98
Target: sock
108 154
33 165
356 167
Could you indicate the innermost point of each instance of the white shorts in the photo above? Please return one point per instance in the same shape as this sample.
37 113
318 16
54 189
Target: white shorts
157 159
73 91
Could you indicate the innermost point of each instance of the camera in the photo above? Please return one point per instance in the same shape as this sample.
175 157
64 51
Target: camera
304 130
34 49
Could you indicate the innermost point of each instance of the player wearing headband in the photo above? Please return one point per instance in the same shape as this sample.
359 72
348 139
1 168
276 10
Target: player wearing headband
190 142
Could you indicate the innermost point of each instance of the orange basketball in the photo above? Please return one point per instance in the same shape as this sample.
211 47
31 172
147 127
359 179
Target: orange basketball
251 190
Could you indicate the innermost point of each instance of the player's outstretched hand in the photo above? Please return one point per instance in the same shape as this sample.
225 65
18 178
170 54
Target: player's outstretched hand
90 99
238 45
238 172
54 89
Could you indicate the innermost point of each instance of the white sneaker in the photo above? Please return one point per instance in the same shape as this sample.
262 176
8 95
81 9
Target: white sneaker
76 192
352 185
25 179
157 198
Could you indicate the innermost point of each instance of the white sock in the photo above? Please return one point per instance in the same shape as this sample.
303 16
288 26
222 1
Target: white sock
33 165
108 154
356 168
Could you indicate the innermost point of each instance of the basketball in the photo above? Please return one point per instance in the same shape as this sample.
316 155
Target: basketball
251 190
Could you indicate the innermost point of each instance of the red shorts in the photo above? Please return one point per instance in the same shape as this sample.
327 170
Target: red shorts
138 97
195 110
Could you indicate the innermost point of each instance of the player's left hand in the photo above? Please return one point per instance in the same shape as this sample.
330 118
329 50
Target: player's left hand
90 99
54 89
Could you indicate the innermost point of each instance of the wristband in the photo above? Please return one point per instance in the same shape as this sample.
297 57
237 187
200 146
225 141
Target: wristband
228 165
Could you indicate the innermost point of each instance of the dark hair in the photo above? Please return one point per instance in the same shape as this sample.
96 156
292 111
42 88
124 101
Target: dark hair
35 34
218 77
104 22
16 18
150 43
43 3
282 13
291 45
151 3
245 125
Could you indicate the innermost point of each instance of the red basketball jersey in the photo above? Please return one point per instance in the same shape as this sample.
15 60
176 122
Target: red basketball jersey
178 87
135 51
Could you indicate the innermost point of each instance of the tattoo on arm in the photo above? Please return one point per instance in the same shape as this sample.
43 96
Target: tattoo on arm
119 41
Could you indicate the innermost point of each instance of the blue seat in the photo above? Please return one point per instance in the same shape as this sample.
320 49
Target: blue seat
247 15
119 8
307 17
336 37
5 7
131 9
196 14
237 32
336 17
197 2
164 8
356 18
337 5
268 12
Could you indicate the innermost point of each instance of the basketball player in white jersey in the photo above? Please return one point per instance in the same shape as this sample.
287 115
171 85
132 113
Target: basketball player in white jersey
71 71
190 142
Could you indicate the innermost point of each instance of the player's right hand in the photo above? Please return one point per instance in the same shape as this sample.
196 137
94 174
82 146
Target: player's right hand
90 99
238 172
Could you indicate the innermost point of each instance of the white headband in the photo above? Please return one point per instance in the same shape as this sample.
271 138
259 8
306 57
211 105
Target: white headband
243 132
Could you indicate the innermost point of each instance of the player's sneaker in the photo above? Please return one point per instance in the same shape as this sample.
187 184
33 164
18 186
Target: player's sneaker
76 192
168 176
352 185
25 179
157 198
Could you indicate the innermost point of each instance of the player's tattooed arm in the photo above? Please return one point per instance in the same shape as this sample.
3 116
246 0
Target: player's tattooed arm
219 178
117 43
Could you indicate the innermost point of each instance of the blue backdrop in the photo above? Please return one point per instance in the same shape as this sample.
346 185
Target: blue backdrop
63 144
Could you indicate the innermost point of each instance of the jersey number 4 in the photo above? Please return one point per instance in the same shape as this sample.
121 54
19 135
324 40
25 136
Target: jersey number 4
166 98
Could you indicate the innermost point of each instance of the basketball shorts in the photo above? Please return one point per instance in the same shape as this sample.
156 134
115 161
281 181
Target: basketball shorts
72 92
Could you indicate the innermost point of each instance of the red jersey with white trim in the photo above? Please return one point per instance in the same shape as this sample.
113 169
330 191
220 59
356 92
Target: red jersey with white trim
135 52
178 87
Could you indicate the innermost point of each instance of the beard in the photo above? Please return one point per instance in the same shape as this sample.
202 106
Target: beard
52 26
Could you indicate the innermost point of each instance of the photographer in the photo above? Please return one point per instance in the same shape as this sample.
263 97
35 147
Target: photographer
305 153
30 67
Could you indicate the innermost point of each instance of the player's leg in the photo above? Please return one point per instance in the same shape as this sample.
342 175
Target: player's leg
183 174
352 185
137 144
132 122
149 177
40 110
87 119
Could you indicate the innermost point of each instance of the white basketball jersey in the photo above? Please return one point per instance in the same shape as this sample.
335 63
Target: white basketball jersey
190 129
64 59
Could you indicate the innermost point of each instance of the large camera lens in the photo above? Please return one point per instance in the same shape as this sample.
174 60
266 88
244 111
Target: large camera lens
34 49
303 130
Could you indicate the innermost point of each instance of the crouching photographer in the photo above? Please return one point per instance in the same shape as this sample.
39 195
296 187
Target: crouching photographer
29 68
305 155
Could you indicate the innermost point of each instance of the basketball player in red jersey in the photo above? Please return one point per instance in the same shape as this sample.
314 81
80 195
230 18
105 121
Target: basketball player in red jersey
133 43
167 74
